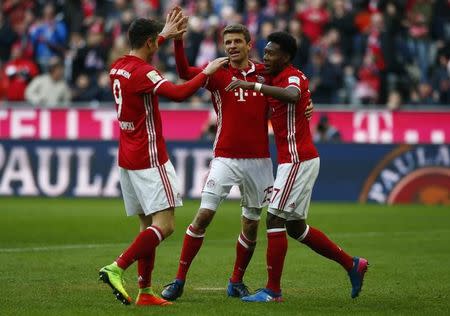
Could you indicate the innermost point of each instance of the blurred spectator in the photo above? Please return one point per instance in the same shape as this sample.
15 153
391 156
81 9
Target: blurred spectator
334 38
104 93
441 77
19 71
49 89
303 44
253 17
261 42
208 47
423 95
394 101
368 86
15 11
419 21
49 37
120 47
314 16
326 133
324 78
7 38
84 89
342 19
91 59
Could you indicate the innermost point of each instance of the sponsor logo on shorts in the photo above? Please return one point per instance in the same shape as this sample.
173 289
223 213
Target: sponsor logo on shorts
210 184
292 205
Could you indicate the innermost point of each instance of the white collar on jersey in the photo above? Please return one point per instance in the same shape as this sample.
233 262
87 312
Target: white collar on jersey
252 69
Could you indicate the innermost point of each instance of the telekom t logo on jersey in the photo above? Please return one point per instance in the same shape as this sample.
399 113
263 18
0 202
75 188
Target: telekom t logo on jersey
241 94
373 127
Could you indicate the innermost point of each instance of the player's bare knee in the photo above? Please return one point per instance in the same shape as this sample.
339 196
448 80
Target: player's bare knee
202 220
250 228
273 221
296 229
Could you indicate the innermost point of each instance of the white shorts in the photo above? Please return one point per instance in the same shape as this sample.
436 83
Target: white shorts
292 189
253 176
148 191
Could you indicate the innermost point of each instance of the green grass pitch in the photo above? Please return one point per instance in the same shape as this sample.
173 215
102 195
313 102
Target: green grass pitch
51 250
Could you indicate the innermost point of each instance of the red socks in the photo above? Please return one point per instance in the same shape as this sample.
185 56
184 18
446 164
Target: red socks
145 268
142 247
244 253
191 245
276 252
319 242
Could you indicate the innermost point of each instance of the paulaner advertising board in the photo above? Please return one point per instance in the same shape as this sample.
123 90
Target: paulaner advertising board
367 173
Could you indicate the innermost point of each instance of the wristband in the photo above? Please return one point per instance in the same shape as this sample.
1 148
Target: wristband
257 86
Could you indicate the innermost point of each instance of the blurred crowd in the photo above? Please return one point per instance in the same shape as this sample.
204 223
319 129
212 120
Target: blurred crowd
380 52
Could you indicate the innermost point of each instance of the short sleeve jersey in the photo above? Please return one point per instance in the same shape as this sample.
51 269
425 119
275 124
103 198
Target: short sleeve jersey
290 126
242 115
134 83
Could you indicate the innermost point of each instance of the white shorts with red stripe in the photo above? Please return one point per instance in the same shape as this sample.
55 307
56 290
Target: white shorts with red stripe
253 176
292 189
148 191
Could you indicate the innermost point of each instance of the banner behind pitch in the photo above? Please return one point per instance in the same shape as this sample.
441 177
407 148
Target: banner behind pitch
348 172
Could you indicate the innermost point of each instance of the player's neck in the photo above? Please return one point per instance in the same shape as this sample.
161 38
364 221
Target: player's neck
241 65
139 54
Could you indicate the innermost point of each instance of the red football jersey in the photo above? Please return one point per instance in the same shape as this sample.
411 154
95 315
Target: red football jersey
141 143
290 126
242 115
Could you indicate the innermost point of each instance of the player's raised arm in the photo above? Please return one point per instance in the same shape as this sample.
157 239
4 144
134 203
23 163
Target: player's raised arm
182 91
288 94
184 70
175 25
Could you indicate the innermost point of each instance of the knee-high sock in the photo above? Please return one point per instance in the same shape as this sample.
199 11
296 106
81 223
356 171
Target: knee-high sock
276 252
145 268
244 253
320 243
142 247
191 245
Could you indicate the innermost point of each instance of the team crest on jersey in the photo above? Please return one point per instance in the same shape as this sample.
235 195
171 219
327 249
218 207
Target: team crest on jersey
233 78
294 79
154 76
260 79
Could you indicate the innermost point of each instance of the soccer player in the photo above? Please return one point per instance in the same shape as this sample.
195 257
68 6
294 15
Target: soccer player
147 177
241 157
298 167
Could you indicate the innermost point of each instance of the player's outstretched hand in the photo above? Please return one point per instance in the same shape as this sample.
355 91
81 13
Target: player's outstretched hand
240 84
174 21
309 110
214 65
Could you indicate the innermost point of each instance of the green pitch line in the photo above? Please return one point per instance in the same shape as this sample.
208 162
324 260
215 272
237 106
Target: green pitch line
51 250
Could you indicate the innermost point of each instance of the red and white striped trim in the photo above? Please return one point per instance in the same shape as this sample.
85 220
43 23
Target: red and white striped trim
245 242
305 233
159 84
288 186
218 100
151 131
167 186
291 139
157 232
276 230
190 232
